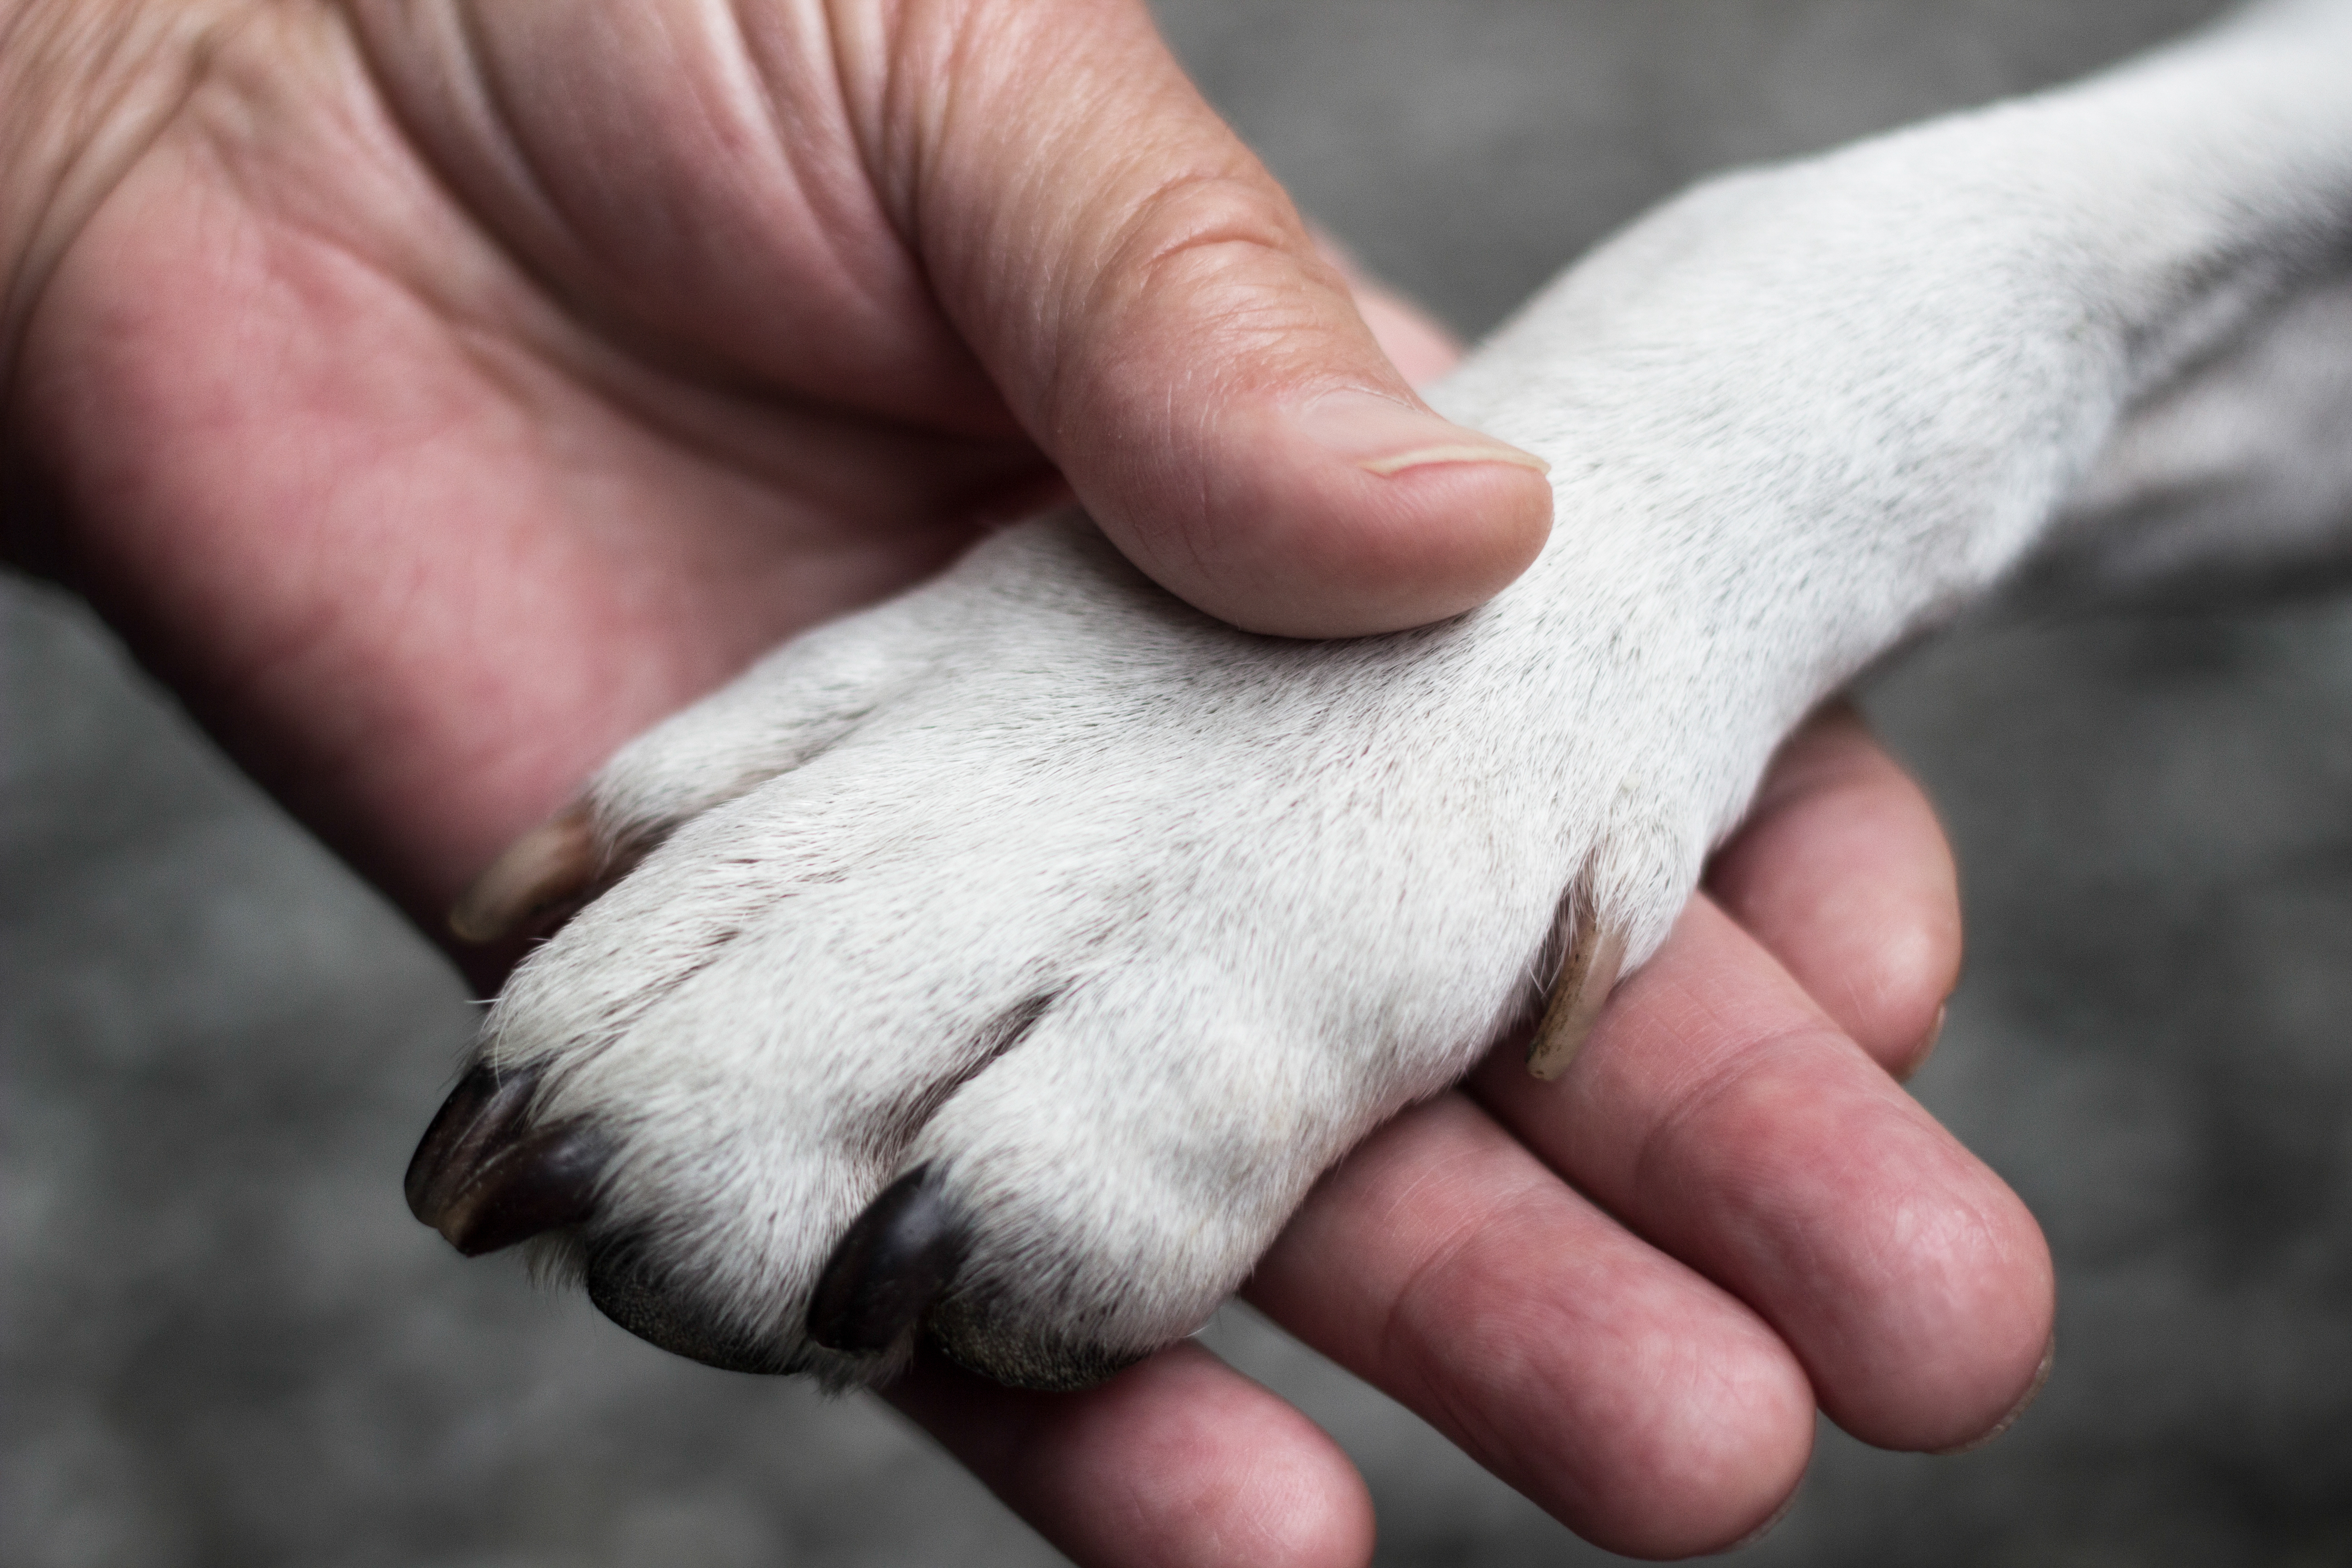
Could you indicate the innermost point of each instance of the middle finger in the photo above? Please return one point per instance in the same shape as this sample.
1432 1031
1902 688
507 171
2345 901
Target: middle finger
1638 1402
1718 1113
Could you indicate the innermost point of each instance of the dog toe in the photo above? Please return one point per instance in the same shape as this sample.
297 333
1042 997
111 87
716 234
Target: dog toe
638 1295
889 1267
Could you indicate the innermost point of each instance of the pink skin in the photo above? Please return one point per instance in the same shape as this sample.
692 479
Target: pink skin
425 488
1881 949
1721 1115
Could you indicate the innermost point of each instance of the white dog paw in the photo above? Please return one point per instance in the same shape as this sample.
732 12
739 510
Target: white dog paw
1005 965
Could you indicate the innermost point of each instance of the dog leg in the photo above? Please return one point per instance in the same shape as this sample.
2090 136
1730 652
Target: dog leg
2233 480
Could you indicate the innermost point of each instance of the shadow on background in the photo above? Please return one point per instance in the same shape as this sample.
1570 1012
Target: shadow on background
226 1342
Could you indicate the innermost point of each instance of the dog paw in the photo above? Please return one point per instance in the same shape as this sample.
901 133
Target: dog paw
1004 966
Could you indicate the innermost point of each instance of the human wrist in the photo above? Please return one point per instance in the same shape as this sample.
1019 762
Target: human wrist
84 86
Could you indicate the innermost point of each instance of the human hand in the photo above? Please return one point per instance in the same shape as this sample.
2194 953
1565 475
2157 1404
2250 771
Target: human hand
364 398
436 397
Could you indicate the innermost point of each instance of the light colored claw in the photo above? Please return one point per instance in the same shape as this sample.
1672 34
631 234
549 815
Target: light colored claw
1587 974
540 870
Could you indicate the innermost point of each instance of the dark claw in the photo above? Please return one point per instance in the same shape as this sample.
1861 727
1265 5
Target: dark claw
485 1179
889 1267
479 1109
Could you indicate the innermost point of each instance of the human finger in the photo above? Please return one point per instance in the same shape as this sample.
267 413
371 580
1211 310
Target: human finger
1177 1460
1719 1114
1157 316
1842 872
1422 347
1635 1401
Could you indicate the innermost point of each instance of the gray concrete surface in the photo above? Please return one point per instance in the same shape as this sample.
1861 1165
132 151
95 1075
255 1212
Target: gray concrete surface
225 1342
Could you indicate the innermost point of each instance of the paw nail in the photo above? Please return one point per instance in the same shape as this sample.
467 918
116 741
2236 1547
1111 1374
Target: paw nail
1587 975
485 1105
541 870
484 1181
889 1267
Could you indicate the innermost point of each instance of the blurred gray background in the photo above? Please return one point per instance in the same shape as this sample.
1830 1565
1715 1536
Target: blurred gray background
226 1342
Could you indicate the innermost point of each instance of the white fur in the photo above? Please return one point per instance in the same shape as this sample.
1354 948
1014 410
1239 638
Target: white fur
1233 900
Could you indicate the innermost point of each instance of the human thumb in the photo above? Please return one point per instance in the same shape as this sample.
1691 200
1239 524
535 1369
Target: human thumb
1157 315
